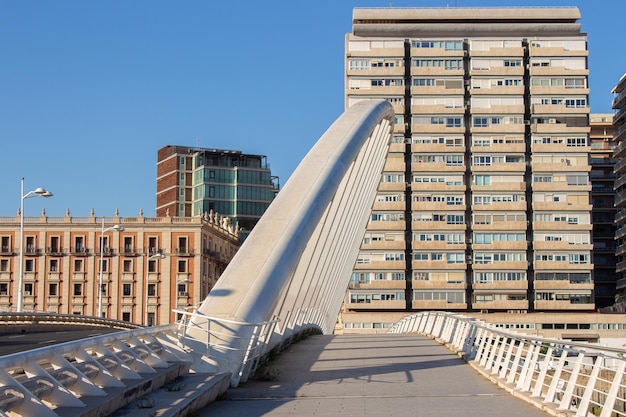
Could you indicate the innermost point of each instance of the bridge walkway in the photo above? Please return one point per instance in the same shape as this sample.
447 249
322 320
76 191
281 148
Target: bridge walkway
369 375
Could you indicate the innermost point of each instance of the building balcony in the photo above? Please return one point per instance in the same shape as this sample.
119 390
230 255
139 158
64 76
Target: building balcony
184 251
436 71
552 128
498 129
397 71
54 251
394 165
32 251
501 286
554 265
501 305
543 109
384 245
382 265
501 245
560 206
435 167
555 51
500 167
541 285
430 226
503 226
499 52
500 148
498 109
436 245
436 206
559 186
437 129
508 265
437 109
389 205
557 71
438 285
391 225
437 186
556 226
79 251
499 186
561 246
512 206
513 90
391 186
562 165
378 53
379 305
562 305
437 90
558 90
497 71
437 305
379 285
439 265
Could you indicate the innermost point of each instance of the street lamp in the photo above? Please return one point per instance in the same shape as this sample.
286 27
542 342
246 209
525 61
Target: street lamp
38 192
155 256
117 228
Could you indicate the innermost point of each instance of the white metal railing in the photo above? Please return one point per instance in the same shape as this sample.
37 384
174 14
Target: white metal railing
582 378
222 338
39 381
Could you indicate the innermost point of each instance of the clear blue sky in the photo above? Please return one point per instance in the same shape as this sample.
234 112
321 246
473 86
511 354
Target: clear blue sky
89 90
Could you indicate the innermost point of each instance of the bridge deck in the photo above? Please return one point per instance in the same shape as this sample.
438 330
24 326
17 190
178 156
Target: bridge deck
370 375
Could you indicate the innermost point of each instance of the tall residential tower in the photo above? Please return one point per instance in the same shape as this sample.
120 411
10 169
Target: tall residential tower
484 203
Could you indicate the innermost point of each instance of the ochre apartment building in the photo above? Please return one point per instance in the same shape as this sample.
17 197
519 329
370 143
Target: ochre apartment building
152 266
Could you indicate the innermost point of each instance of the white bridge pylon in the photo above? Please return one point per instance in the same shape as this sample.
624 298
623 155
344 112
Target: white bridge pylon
296 263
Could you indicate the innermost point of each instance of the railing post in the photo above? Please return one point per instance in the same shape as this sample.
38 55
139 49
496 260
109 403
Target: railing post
611 396
547 360
589 389
566 401
556 383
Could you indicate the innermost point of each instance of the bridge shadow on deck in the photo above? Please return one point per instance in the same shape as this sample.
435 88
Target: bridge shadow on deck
369 375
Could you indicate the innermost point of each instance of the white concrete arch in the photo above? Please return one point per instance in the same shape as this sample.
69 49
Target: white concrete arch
297 262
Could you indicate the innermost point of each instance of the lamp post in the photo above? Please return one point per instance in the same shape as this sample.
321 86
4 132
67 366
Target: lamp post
117 228
155 256
38 192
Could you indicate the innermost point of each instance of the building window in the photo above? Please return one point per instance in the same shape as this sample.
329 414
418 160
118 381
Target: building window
78 265
4 289
4 265
182 266
79 244
54 265
52 289
152 266
78 289
151 290
28 289
128 265
128 244
127 290
29 265
104 265
6 244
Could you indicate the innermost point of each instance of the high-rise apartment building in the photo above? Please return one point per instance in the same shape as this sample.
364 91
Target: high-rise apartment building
603 212
619 134
484 203
192 181
138 274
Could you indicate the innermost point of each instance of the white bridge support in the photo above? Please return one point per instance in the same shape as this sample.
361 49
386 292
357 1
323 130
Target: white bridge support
560 376
292 271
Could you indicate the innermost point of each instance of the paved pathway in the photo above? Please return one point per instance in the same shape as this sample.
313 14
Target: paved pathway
370 375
